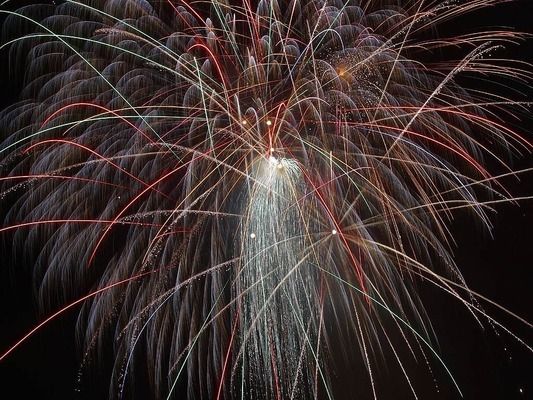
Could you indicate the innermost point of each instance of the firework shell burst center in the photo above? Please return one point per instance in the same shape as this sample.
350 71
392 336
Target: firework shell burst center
231 189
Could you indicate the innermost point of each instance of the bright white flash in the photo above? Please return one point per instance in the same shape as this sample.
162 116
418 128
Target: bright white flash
275 162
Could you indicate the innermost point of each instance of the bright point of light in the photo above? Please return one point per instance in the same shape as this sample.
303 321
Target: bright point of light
275 162
521 390
244 122
252 235
269 122
334 232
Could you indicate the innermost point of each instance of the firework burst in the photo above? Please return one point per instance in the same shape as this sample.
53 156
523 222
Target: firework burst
229 188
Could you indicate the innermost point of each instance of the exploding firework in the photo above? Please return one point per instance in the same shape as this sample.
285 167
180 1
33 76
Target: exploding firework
231 190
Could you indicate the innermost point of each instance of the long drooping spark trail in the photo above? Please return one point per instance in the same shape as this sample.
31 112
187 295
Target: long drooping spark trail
280 314
235 190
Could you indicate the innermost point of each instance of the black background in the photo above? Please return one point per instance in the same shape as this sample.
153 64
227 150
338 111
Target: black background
486 366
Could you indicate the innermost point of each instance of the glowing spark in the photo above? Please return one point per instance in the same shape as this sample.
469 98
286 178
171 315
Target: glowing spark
150 105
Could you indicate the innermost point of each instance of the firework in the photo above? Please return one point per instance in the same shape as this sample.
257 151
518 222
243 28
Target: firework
228 189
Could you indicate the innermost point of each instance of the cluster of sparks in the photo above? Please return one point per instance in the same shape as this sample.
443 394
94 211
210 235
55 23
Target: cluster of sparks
227 188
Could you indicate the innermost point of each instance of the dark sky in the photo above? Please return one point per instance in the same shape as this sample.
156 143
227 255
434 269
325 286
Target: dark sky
485 364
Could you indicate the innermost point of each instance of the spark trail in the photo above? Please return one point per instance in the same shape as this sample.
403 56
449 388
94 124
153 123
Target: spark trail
233 189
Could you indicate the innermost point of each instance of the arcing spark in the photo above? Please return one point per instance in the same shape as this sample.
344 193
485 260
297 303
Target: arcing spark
238 186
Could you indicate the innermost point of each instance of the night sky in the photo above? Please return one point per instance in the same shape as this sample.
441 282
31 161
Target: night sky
487 363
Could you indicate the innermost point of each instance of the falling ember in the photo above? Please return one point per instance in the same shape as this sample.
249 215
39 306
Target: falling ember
276 282
229 190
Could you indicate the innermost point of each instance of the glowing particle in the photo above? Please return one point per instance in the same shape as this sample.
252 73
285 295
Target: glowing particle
521 390
244 122
334 232
269 122
252 235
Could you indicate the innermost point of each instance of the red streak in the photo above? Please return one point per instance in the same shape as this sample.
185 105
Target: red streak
64 221
107 110
137 198
75 178
217 65
69 306
94 153
356 264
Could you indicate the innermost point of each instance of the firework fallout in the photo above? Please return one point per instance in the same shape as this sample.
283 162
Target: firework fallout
273 199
